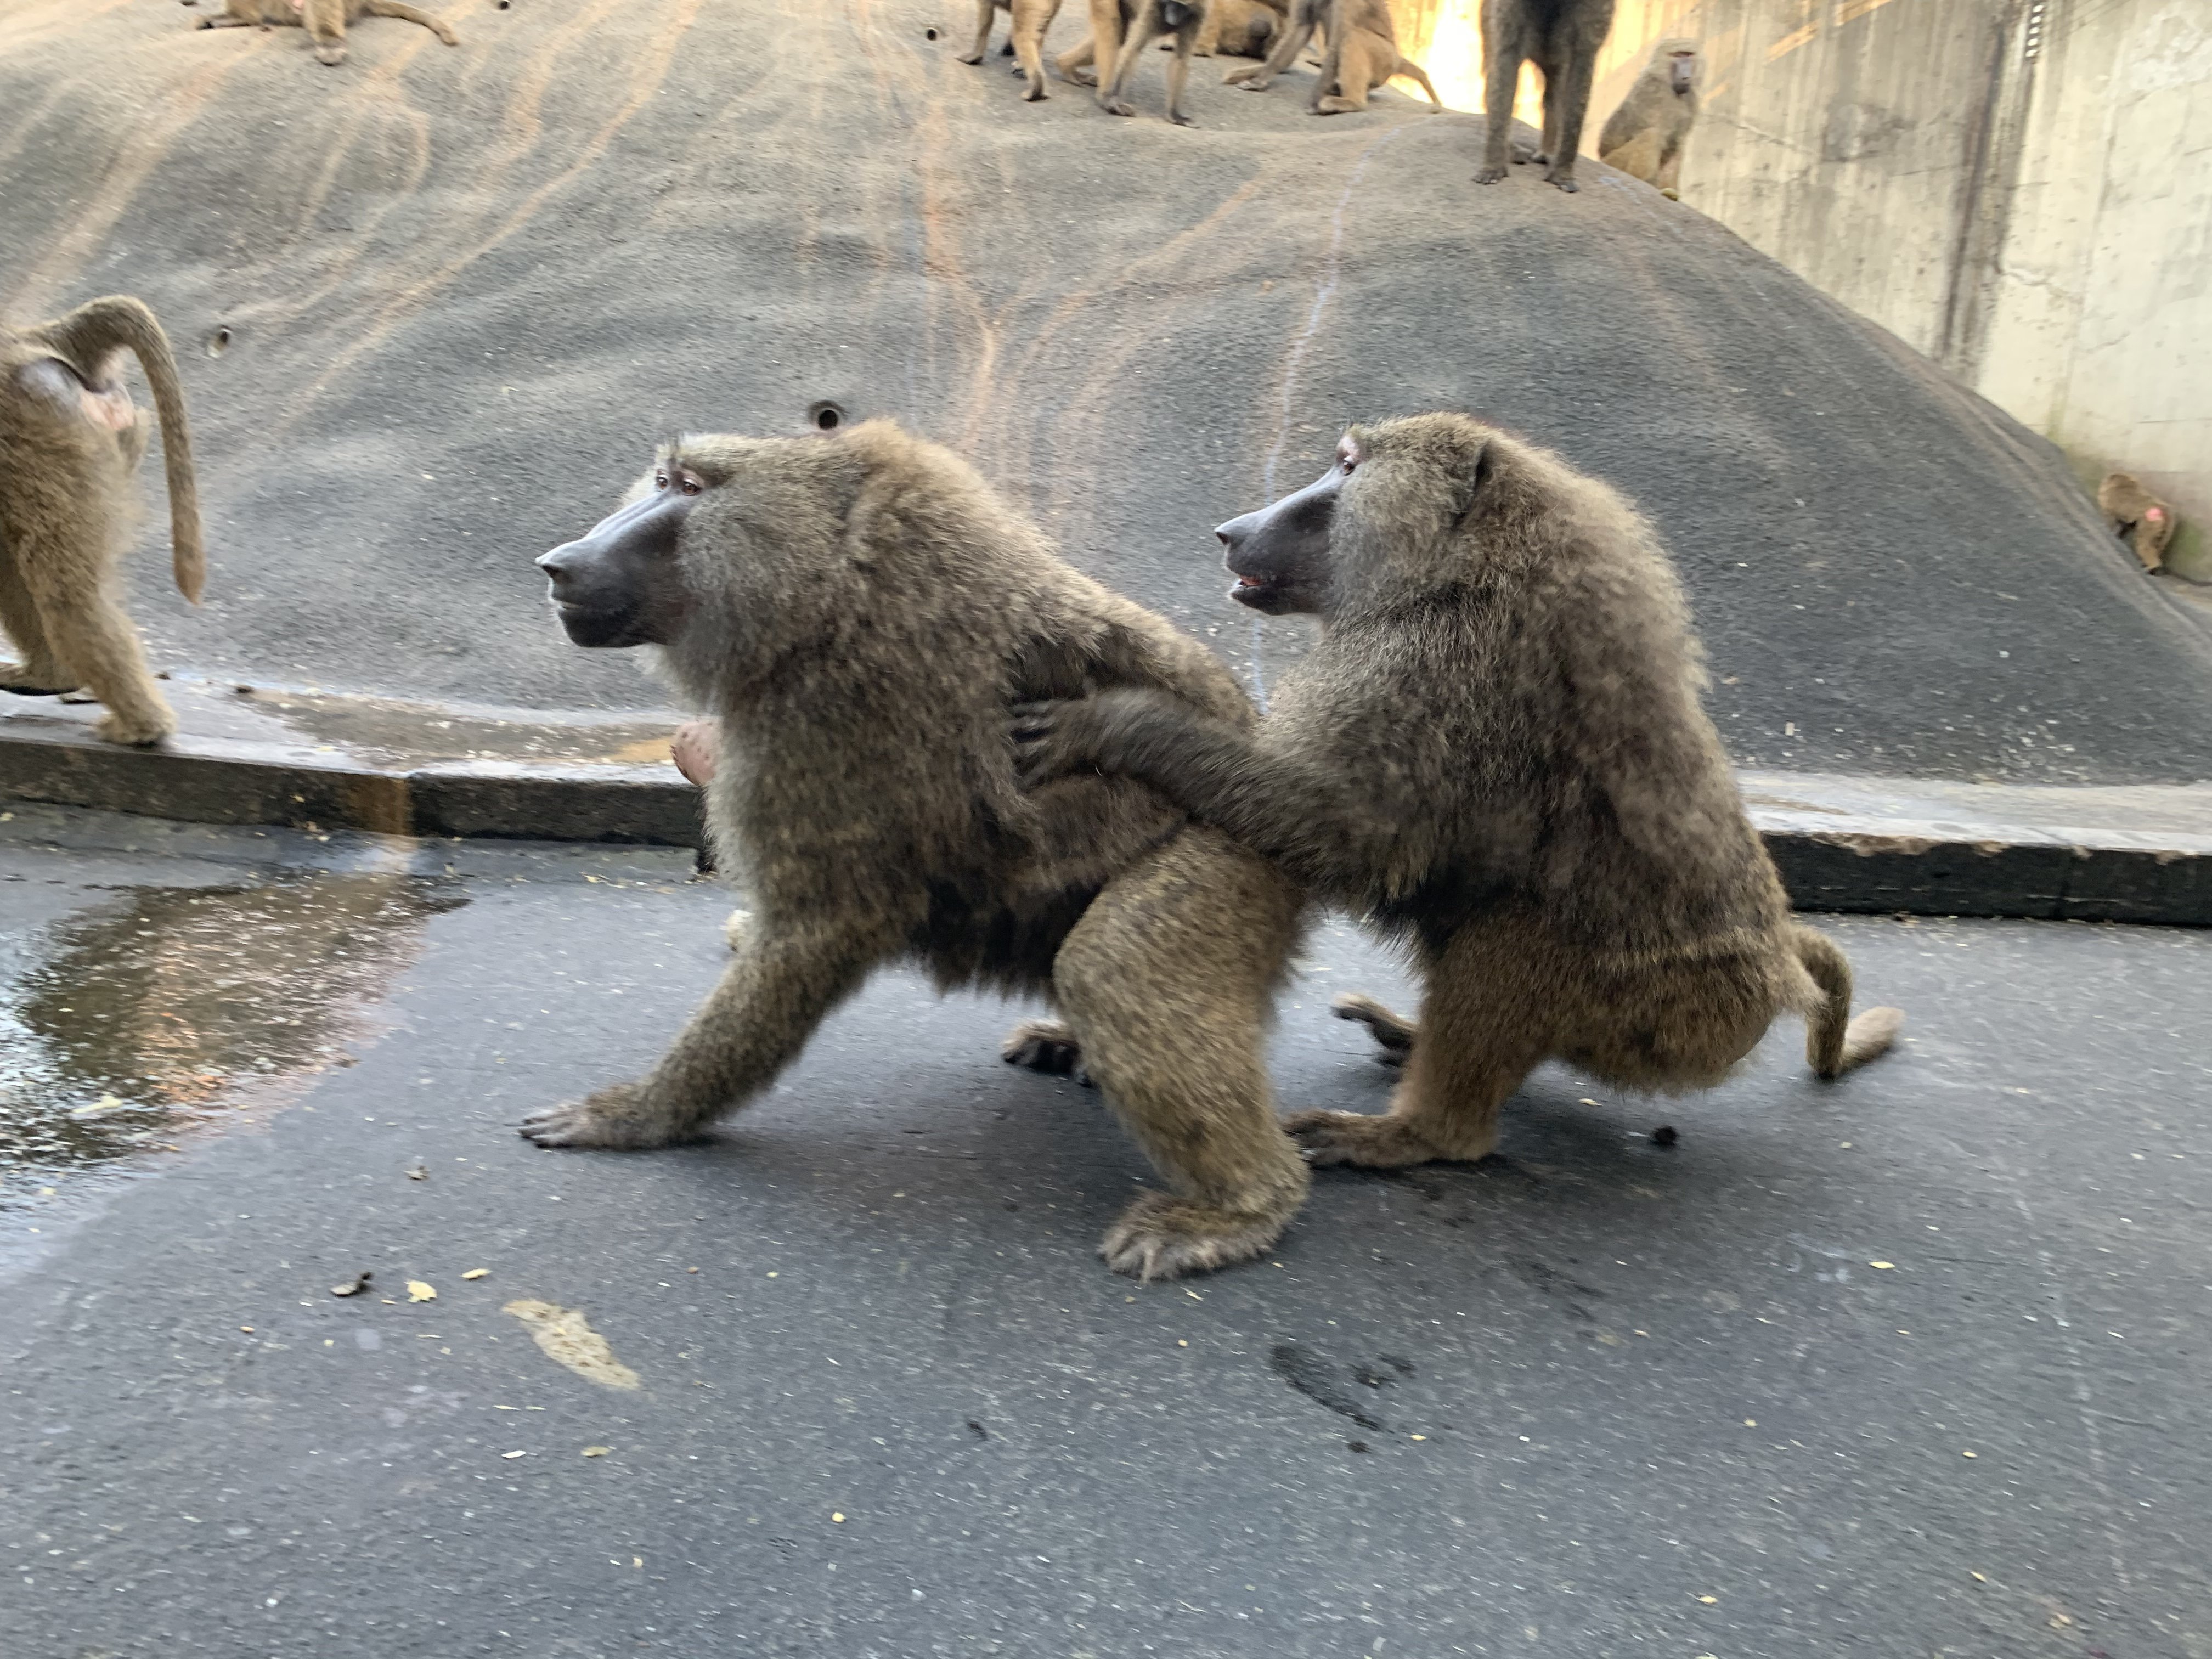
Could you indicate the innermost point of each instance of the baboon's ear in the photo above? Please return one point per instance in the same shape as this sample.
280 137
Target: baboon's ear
1474 483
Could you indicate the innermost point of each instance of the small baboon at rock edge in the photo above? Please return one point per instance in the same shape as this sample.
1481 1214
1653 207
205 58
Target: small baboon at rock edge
1029 20
858 611
1495 753
1561 37
70 440
324 20
1364 63
2138 518
1644 136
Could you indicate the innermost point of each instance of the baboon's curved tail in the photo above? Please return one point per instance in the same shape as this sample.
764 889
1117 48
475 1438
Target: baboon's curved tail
1834 1042
88 334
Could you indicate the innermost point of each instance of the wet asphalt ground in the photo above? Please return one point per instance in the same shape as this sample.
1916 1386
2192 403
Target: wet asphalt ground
1912 1365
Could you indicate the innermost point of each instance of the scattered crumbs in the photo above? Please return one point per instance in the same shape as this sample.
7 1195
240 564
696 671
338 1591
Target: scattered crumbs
511 1456
477 1273
1417 1436
597 1451
419 1292
838 1515
1750 1422
1180 1343
248 1329
1708 1600
1881 1264
1966 1454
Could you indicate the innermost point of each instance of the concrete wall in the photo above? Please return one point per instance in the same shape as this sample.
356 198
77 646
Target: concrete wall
2020 189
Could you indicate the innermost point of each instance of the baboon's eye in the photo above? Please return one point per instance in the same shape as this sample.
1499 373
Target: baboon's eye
689 486
661 481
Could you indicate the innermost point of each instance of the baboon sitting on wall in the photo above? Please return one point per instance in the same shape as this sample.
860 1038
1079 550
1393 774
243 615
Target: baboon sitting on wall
1644 136
1561 37
2138 518
1029 18
70 440
1496 752
324 20
859 610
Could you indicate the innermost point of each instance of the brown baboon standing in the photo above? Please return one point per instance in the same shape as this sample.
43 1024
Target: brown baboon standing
1644 136
2138 518
1029 18
1561 37
858 610
324 20
1495 751
1143 19
70 440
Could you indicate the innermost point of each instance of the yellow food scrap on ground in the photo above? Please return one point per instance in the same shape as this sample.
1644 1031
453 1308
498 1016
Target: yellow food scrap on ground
566 1338
1708 1600
838 1517
1881 1264
597 1451
476 1273
418 1291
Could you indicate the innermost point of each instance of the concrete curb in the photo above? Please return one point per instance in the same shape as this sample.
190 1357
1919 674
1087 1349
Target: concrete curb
1842 844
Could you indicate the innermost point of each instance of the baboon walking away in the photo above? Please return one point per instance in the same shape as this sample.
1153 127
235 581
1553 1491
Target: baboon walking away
324 20
1561 37
1644 136
1029 18
70 440
1495 753
858 611
2138 518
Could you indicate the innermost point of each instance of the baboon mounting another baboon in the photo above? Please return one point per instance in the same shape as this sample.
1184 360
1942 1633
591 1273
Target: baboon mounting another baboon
1561 37
1643 138
70 440
2138 518
1497 753
324 20
858 611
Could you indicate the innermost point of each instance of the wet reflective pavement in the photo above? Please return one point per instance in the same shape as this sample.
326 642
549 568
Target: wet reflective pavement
1916 1365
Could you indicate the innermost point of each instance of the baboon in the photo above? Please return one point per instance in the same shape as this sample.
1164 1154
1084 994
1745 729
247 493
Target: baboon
1644 136
1561 37
1114 24
1029 20
1240 28
1346 24
70 440
1364 64
859 610
324 20
2138 518
1495 753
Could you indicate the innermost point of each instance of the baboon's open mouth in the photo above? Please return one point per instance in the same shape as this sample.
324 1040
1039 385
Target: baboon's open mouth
1254 590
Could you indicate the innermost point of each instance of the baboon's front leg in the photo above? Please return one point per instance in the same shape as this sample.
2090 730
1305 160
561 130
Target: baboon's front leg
1562 137
1179 74
87 632
1290 41
1100 52
984 11
752 1024
1111 88
1502 75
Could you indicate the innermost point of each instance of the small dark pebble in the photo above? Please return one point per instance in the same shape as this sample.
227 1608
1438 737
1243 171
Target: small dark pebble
1356 1445
978 1429
1012 1204
1664 1135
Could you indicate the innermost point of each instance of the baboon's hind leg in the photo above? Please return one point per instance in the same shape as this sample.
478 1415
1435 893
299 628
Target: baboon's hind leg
985 14
40 673
1041 1045
1167 983
1479 1036
90 632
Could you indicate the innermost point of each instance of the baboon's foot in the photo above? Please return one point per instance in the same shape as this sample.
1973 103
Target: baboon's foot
1332 105
1488 174
1564 180
1037 94
135 731
331 55
1389 1142
1041 1045
970 57
1524 154
1180 118
36 679
1117 107
1163 1236
1672 194
1007 51
1082 77
612 1117
1252 79
1393 1036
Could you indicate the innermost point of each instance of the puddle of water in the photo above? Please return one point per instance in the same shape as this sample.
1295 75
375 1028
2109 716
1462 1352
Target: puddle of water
121 1027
